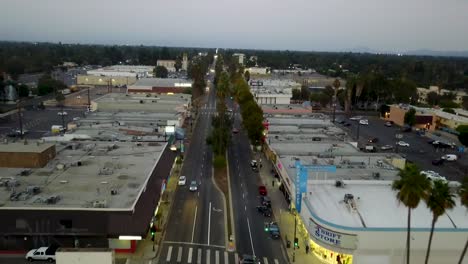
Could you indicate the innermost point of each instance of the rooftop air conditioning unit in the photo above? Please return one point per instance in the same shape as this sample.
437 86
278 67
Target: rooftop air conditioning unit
100 204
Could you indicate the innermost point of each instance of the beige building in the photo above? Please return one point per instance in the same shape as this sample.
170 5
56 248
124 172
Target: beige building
423 92
170 64
105 80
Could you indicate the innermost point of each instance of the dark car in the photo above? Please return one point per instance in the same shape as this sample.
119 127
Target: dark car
265 201
346 124
438 162
247 259
388 123
373 140
264 210
262 190
430 141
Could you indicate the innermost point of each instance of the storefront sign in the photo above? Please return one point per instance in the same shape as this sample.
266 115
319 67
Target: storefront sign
331 237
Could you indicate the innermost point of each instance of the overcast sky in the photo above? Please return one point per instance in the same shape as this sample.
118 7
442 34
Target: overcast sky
330 25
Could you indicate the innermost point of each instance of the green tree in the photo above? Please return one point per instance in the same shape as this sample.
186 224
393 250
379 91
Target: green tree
247 75
60 98
411 187
296 94
433 98
15 67
160 72
439 200
47 85
463 134
463 192
384 109
23 90
465 102
410 117
178 64
449 110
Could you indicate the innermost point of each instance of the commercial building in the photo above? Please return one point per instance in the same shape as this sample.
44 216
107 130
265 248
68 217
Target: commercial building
423 92
429 118
159 85
240 57
105 80
259 70
23 154
138 71
170 64
346 208
273 91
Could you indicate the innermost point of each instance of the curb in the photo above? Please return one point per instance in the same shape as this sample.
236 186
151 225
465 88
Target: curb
224 200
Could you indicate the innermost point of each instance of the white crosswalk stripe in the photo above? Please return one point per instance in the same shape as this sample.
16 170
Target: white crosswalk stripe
169 253
207 256
226 257
236 258
199 256
217 257
276 261
189 260
179 255
265 260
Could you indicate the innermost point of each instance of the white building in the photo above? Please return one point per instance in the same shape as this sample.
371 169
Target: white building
258 70
273 91
170 64
240 57
423 92
139 71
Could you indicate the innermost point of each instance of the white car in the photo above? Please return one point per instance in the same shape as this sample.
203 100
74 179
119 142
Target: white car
433 176
182 180
386 147
364 122
449 157
402 144
76 119
62 113
193 186
355 118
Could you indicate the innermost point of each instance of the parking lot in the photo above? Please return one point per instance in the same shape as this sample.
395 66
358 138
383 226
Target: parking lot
419 151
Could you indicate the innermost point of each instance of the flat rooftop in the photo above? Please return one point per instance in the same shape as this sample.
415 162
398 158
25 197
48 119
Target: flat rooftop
159 103
376 207
19 146
87 174
163 82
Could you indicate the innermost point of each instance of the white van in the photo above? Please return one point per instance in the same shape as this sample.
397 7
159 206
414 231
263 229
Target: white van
449 157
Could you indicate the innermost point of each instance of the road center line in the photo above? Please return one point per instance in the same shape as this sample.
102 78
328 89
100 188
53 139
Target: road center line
250 234
209 223
194 221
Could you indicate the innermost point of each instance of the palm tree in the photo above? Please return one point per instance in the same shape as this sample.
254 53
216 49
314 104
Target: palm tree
464 200
411 188
439 200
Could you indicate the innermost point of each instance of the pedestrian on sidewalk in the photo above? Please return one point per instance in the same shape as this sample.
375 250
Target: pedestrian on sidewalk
307 249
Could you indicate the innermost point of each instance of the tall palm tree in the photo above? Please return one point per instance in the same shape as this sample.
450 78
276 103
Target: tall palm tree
411 187
439 200
464 200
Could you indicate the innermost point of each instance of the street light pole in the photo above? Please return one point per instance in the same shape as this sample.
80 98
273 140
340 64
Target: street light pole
294 242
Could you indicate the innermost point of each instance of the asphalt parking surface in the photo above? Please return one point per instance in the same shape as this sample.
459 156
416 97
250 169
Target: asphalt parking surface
419 152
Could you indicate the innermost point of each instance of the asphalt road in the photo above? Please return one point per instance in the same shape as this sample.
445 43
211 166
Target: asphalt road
196 220
419 151
249 224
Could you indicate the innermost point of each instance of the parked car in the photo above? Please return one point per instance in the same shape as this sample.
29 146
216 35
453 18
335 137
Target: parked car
262 190
265 201
432 175
449 157
264 210
62 113
388 123
402 144
235 130
182 180
42 253
386 147
373 140
193 186
355 118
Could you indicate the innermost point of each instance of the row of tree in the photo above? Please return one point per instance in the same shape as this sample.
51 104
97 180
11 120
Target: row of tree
413 187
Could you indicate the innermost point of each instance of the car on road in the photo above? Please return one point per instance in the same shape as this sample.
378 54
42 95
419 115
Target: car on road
449 157
76 119
373 140
62 113
438 162
193 186
402 144
356 118
235 130
265 201
386 147
433 176
17 133
346 124
182 180
264 210
42 253
364 122
262 190
247 259
388 123
273 229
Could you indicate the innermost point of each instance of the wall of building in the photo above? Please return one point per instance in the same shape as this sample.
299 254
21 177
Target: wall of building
27 159
168 64
104 80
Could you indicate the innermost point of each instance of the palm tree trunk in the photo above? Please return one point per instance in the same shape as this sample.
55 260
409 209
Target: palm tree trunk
408 234
434 219
463 253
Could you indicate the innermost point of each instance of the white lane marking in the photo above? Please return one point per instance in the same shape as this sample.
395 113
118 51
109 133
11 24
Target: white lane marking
192 244
189 260
207 256
226 257
242 195
236 258
245 208
179 255
250 234
209 223
217 257
199 256
265 260
276 261
194 221
169 253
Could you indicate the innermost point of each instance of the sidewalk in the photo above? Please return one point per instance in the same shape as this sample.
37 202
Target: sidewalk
284 218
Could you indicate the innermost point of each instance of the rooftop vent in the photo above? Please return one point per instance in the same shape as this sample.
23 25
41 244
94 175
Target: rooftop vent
100 204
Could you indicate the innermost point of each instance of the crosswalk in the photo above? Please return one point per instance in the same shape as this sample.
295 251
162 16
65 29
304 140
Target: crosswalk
199 254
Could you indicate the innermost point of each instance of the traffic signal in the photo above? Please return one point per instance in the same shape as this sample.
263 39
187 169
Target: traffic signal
153 230
296 242
266 227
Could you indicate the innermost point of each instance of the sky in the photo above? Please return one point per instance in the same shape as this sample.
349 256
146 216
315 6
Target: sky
310 25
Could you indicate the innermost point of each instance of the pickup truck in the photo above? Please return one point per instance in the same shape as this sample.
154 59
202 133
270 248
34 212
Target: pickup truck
42 253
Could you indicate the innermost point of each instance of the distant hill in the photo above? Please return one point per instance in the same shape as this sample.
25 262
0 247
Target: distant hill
424 52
